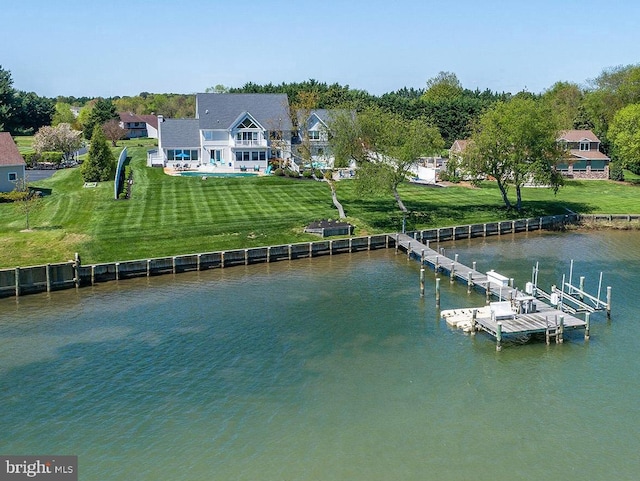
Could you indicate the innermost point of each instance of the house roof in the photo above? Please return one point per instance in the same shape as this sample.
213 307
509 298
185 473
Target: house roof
9 153
131 117
220 111
588 154
459 145
578 135
180 133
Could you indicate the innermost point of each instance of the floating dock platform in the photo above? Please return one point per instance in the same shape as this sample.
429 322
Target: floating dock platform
516 314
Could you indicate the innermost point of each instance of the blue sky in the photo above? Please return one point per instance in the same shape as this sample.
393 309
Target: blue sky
90 48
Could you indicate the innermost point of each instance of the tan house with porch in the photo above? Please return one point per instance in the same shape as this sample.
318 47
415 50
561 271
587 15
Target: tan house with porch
584 159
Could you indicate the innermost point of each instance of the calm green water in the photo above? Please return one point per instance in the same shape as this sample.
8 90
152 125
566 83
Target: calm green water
329 369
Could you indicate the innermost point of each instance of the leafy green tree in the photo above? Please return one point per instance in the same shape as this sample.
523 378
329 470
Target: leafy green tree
7 98
624 134
100 164
515 143
385 147
103 110
30 112
62 114
612 90
565 99
444 86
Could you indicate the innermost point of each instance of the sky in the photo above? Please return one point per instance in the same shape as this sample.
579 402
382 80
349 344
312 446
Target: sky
121 48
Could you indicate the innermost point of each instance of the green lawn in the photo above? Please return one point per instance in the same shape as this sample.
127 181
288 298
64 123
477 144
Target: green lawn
179 215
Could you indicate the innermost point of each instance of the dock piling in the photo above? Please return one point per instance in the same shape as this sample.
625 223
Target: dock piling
438 291
452 273
560 335
474 315
608 302
422 281
587 327
469 282
499 337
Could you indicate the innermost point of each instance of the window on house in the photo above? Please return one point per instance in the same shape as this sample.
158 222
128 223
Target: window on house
598 165
207 134
13 176
247 136
246 156
238 156
182 154
580 166
247 124
263 155
585 145
314 135
254 156
216 156
562 167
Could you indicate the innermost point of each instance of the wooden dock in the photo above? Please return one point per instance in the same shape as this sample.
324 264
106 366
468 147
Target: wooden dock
543 319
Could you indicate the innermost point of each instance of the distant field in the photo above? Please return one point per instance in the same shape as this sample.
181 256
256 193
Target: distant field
178 215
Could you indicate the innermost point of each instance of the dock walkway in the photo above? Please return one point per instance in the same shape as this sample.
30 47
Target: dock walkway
546 319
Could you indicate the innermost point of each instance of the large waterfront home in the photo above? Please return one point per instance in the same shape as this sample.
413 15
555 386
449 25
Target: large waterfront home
584 159
231 132
12 165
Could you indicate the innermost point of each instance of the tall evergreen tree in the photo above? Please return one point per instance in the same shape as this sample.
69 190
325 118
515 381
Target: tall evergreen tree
102 111
100 165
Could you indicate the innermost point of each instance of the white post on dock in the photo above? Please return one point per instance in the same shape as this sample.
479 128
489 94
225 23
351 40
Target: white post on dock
422 281
452 273
456 258
587 327
608 302
422 257
408 250
582 288
438 291
469 281
435 266
397 242
473 265
499 337
488 291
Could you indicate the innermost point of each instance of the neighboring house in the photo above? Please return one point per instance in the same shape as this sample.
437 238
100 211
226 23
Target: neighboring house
12 165
314 135
139 125
584 159
234 132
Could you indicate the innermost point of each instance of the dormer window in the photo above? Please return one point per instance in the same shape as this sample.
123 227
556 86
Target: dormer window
314 135
247 124
585 145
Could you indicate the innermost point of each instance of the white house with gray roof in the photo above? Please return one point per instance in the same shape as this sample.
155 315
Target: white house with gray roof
231 132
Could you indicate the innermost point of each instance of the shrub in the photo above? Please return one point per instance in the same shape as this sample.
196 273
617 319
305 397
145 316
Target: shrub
31 159
307 174
52 157
318 173
616 172
13 196
279 171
